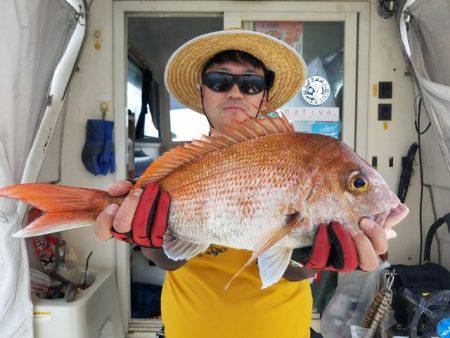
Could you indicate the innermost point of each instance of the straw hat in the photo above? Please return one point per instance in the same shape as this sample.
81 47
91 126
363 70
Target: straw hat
183 70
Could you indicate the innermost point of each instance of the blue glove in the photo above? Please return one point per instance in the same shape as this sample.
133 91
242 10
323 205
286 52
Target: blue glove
98 151
109 158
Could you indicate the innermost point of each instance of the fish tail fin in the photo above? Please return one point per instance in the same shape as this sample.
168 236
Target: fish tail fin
65 207
54 222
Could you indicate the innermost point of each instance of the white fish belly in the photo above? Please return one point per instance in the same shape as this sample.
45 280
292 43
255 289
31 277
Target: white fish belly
224 226
236 221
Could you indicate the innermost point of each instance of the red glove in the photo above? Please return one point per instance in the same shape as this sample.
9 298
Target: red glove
150 219
333 249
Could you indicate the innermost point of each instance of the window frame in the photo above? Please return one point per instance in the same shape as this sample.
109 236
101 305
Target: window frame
356 69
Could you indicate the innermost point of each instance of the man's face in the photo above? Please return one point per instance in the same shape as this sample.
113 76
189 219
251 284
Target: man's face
224 108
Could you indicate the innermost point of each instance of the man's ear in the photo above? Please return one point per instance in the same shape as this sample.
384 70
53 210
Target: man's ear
199 88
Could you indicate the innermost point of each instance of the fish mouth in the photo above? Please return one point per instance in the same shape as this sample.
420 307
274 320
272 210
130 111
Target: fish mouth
387 219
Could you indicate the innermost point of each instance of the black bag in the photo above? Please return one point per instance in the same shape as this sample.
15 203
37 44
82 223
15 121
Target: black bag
419 280
428 278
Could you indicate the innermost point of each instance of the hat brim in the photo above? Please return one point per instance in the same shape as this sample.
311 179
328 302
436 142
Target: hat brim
183 70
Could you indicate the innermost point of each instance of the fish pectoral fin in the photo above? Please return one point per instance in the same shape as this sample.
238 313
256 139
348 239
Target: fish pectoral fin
269 241
179 249
276 235
272 265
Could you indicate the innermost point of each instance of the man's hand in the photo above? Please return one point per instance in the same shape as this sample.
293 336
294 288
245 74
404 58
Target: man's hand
337 249
111 215
141 219
371 243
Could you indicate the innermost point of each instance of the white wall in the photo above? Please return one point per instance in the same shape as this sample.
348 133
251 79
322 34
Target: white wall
95 79
387 64
91 83
385 56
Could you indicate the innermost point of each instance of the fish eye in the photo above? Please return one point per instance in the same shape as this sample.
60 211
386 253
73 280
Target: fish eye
358 183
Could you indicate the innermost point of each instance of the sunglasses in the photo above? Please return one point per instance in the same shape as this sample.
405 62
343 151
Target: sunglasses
248 84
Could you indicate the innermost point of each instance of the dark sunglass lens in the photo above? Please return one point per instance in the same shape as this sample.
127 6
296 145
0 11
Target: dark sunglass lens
251 84
219 82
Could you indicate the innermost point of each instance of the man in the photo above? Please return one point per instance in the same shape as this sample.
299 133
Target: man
228 76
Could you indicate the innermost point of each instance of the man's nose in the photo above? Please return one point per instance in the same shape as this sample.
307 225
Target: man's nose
234 92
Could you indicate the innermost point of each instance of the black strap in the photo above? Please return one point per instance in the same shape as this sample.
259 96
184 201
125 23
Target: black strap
131 180
407 169
432 231
203 107
260 104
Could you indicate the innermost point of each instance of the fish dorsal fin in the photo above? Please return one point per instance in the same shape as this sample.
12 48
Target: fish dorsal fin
236 133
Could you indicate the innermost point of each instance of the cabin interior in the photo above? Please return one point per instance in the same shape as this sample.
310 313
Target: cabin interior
372 105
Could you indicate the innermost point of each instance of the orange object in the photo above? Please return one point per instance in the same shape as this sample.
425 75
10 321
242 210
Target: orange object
258 185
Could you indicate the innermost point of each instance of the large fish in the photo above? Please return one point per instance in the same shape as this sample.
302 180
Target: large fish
258 185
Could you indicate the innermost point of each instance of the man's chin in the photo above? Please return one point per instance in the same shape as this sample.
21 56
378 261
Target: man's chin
234 120
238 114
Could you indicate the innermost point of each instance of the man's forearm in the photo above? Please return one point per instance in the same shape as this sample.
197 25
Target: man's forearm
160 259
295 274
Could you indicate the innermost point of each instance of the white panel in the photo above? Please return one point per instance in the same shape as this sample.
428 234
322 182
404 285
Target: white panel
363 82
292 16
232 19
262 6
120 137
350 56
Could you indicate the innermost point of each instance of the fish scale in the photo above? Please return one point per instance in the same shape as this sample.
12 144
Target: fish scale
232 186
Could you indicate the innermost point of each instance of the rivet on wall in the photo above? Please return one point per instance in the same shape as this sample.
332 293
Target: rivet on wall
98 36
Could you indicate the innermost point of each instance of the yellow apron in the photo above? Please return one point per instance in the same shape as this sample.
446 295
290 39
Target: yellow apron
195 305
